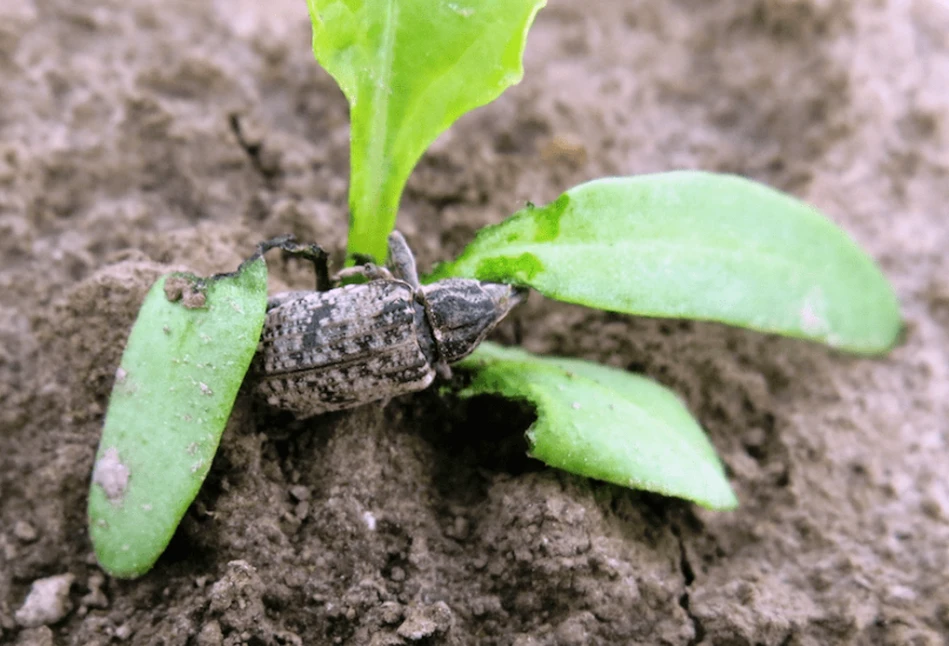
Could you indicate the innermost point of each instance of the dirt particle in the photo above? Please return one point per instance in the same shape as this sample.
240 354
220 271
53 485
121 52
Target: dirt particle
424 621
460 528
24 531
901 596
41 636
96 597
237 599
194 300
392 613
113 476
300 493
187 290
175 287
933 508
573 631
370 520
210 634
47 603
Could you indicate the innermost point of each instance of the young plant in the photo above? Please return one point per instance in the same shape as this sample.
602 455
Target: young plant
409 69
681 244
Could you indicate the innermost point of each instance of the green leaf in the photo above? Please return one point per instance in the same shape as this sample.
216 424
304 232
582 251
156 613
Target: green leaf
605 423
409 69
182 367
693 245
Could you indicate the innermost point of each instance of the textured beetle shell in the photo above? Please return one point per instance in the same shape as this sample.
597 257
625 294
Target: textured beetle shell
326 351
462 312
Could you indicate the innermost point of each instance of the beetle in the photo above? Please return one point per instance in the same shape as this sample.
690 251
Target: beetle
345 346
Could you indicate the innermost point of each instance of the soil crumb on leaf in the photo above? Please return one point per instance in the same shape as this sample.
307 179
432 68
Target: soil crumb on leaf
186 289
112 475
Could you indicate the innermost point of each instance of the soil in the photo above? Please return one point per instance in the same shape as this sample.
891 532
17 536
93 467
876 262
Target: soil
138 137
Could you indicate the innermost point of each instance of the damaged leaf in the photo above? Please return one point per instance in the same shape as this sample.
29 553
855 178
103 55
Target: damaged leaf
183 364
693 245
605 423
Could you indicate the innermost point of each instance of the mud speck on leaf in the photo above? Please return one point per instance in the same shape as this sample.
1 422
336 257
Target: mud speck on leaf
187 289
112 475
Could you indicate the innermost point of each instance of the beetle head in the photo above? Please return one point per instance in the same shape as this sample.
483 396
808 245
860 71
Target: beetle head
463 311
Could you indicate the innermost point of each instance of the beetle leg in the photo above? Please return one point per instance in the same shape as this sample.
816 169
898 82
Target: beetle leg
401 261
320 259
369 271
316 255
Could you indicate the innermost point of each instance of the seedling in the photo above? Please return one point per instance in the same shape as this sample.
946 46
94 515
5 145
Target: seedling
682 244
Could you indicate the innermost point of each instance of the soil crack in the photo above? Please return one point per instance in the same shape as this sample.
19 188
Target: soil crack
688 576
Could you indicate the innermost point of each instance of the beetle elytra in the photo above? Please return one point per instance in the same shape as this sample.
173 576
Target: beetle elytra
342 347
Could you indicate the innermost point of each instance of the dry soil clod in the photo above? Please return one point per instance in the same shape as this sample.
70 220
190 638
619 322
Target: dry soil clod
47 603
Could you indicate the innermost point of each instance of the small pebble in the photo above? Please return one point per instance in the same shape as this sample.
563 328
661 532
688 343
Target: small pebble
300 493
41 636
24 531
900 595
47 602
96 597
211 634
391 612
424 621
460 528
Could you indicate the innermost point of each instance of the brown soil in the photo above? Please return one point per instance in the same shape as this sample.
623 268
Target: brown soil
137 137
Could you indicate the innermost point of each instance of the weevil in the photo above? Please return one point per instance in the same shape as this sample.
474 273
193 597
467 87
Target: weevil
344 346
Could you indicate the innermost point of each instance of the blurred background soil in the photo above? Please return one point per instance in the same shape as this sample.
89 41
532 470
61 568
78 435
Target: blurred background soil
139 136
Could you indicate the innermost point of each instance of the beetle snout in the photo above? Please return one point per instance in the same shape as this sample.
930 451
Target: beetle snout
505 297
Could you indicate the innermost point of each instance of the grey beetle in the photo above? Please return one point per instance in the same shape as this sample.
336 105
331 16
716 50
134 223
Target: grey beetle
338 348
